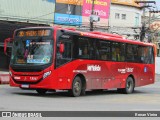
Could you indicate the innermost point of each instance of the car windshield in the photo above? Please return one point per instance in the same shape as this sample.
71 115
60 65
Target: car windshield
32 51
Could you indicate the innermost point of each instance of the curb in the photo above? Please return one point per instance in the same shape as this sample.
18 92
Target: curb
4 78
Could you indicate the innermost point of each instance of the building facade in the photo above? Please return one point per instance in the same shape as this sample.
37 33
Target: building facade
125 18
28 11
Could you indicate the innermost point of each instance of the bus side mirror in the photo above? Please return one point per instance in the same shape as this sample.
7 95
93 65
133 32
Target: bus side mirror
6 41
61 48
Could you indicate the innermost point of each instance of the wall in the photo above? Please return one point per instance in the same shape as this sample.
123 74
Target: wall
34 11
158 65
131 13
125 26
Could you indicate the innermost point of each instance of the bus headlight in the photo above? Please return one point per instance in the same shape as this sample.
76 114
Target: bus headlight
46 74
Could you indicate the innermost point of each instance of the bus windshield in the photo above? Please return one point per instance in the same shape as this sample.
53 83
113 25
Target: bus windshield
32 51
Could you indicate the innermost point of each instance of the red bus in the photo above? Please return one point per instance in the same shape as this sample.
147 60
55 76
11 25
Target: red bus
55 58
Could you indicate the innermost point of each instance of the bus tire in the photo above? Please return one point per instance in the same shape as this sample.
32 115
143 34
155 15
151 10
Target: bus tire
76 87
41 91
129 88
83 92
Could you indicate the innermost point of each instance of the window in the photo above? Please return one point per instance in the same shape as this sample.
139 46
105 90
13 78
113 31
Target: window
117 15
132 53
140 54
82 48
104 50
118 51
67 50
123 16
66 56
147 55
137 20
150 55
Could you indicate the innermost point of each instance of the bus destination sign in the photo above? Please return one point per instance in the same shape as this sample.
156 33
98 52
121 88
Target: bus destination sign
33 33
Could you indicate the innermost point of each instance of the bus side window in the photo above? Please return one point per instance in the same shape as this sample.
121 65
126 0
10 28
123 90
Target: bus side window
130 56
66 56
96 49
122 52
115 54
135 52
83 48
148 55
85 52
140 58
118 50
92 54
151 55
67 50
104 50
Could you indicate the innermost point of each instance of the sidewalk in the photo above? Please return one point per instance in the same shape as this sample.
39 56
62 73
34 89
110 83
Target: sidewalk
157 78
4 77
2 72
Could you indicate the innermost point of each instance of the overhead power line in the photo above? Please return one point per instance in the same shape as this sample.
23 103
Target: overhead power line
139 1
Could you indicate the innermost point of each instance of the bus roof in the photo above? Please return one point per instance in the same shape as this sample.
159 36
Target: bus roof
107 36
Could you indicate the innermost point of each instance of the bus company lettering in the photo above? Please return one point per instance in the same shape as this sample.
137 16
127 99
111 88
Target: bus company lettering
129 69
125 70
97 2
122 70
93 68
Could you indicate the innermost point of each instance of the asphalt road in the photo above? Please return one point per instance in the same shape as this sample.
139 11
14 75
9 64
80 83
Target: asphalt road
145 98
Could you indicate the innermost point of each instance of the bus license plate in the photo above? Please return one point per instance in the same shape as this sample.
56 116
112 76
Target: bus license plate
25 86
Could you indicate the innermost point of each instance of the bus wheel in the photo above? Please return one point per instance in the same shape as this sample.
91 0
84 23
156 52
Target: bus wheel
41 91
129 86
76 87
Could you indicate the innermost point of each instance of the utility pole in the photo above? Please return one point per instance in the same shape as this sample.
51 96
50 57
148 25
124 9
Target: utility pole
92 13
143 28
142 34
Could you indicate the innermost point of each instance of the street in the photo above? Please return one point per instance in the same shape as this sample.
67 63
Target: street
145 98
